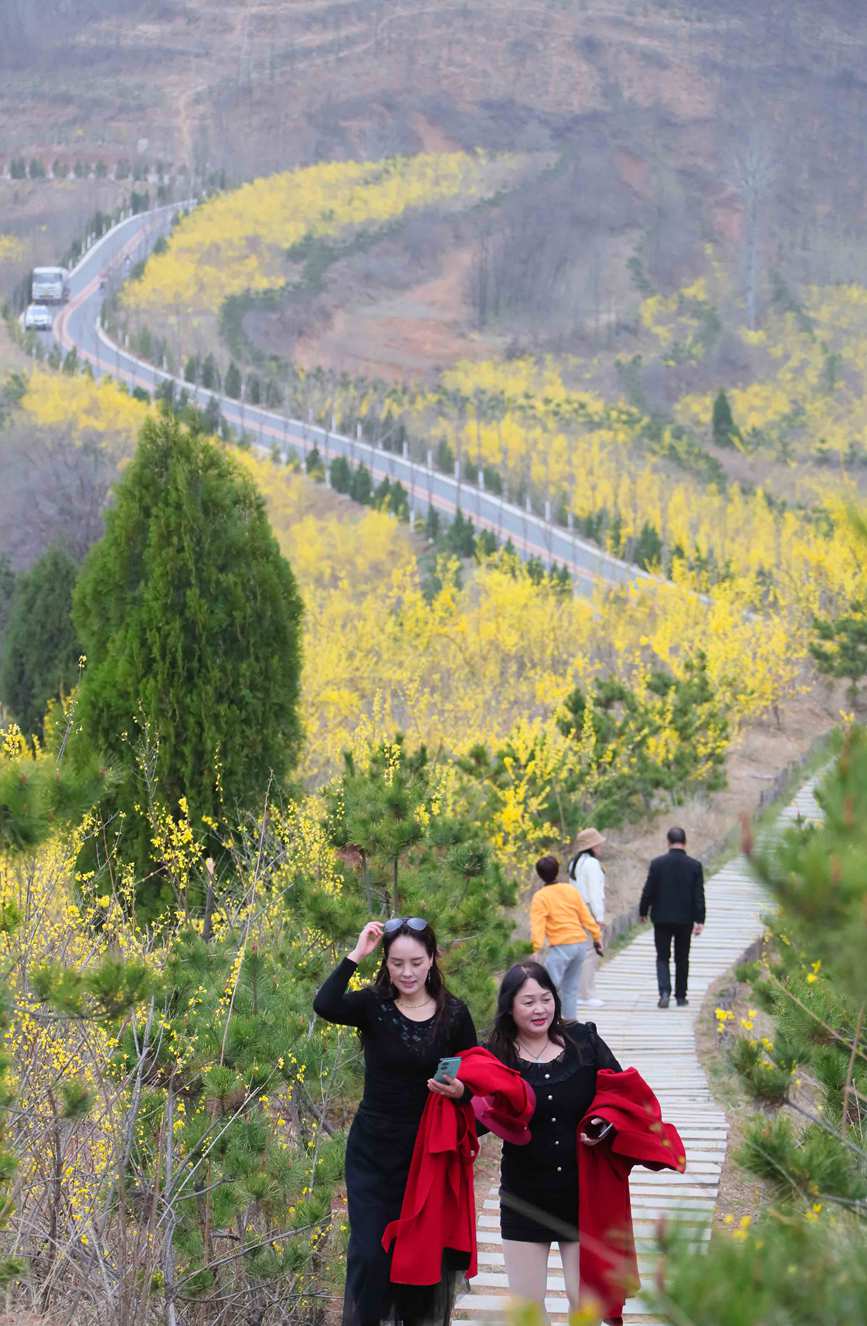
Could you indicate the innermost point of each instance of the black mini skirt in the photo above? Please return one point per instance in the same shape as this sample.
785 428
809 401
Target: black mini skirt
540 1217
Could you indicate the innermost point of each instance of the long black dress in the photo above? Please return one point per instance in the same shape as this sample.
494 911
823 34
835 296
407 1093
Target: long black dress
539 1182
399 1057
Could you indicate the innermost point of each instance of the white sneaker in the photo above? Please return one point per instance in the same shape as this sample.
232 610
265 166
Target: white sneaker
591 1003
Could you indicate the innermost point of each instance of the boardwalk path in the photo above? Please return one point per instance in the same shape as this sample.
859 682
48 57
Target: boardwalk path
661 1045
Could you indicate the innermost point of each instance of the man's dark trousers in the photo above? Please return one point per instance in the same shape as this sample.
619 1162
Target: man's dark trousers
682 936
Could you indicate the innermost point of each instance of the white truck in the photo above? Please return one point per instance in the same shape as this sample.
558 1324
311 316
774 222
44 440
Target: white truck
49 285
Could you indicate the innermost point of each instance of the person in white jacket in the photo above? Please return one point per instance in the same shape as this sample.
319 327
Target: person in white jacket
586 873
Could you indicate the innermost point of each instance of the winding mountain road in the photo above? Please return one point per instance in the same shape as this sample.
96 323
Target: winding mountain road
78 325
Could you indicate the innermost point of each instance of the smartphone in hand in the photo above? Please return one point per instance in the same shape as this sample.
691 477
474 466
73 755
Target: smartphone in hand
447 1068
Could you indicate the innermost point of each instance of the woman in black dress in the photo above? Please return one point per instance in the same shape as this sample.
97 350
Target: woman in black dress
539 1182
407 1021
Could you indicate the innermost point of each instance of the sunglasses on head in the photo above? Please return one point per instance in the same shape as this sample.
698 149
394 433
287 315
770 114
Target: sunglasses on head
412 922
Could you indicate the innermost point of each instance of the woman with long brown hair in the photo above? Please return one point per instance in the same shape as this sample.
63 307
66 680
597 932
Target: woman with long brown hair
407 1021
539 1182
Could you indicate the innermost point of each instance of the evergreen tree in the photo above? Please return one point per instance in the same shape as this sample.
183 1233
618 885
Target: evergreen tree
493 480
340 474
210 376
273 396
361 488
40 648
165 394
191 369
648 547
444 457
432 524
7 588
232 385
40 793
398 501
461 539
212 416
190 618
313 464
486 543
254 389
840 647
415 859
723 426
382 495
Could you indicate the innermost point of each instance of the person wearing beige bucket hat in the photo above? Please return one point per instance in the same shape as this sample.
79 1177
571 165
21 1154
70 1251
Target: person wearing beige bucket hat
586 873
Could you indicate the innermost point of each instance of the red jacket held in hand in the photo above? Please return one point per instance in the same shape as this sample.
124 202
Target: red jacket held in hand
607 1261
439 1209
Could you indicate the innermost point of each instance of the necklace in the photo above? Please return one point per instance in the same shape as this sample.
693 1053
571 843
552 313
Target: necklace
419 1003
528 1054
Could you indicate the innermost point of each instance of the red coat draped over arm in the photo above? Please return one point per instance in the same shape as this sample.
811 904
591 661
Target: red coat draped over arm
607 1260
439 1207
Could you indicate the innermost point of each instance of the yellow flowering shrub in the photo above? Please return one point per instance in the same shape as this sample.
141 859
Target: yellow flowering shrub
237 241
81 404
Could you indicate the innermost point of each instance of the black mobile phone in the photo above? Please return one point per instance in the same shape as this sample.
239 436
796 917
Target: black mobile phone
447 1068
598 1128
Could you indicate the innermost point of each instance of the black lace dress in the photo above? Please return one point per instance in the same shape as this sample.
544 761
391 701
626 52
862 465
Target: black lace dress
539 1182
399 1057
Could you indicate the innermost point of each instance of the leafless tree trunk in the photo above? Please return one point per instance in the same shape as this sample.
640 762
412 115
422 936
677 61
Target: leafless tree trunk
754 170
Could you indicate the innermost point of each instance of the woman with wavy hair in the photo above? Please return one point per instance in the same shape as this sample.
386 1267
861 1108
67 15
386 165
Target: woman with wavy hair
407 1021
539 1182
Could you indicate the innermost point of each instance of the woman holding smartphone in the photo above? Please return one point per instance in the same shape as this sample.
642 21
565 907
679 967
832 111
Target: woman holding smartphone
407 1021
539 1182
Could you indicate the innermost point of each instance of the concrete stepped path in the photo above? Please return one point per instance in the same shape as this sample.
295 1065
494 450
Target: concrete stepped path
661 1045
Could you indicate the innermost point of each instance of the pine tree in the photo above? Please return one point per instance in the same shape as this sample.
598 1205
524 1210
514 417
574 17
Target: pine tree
840 647
7 587
444 457
414 858
648 547
461 539
210 376
432 524
361 488
40 649
340 474
232 385
190 618
212 416
723 426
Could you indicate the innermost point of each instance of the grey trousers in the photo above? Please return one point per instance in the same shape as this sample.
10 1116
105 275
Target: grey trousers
563 963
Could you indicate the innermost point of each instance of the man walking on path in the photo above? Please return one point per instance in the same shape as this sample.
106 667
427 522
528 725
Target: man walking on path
674 896
560 918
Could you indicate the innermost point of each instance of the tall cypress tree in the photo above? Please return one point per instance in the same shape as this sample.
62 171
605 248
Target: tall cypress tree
723 427
190 618
7 589
40 648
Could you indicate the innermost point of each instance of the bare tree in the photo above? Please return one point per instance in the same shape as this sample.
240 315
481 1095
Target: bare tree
63 484
753 173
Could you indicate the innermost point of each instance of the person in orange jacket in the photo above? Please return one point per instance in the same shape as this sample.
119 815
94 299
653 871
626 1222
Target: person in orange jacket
561 920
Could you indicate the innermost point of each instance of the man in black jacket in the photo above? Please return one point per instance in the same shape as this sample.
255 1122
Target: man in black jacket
674 896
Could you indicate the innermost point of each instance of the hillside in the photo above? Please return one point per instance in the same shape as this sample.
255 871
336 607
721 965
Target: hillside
657 99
